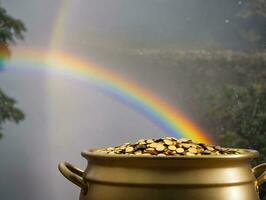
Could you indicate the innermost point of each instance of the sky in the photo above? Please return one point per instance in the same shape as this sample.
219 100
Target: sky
64 116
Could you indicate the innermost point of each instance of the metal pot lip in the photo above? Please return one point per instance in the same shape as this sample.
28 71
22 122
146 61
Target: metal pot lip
249 153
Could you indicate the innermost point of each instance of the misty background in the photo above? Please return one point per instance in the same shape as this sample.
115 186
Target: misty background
132 38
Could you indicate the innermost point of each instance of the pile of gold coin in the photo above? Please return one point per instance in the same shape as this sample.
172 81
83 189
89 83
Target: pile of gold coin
168 146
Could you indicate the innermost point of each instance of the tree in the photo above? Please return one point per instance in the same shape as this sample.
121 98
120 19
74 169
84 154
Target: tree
8 111
239 117
11 29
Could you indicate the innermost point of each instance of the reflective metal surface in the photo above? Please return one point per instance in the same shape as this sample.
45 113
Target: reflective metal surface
120 177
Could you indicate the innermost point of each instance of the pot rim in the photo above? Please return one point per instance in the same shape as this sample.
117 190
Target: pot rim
248 154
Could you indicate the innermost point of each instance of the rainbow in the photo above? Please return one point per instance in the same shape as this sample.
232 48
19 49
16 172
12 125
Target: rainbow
159 112
162 114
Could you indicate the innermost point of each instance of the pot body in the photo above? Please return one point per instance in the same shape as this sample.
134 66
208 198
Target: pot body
158 178
111 192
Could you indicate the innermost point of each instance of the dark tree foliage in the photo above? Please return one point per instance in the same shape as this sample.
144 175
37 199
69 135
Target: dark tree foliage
8 111
10 30
239 117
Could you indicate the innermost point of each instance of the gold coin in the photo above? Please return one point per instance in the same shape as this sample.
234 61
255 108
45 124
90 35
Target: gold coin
172 147
217 147
185 145
138 153
168 142
141 143
223 149
192 150
149 141
141 140
190 154
129 149
168 146
183 140
154 145
179 150
160 147
174 142
150 150
210 148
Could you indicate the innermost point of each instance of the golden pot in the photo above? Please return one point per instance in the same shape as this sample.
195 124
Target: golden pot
129 177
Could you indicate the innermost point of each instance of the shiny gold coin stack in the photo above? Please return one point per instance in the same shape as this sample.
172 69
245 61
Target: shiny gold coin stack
168 146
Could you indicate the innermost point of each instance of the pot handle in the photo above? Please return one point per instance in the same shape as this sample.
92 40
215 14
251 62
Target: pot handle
260 174
73 174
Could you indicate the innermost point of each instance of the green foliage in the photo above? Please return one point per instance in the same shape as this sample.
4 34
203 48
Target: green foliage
8 111
10 30
239 117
